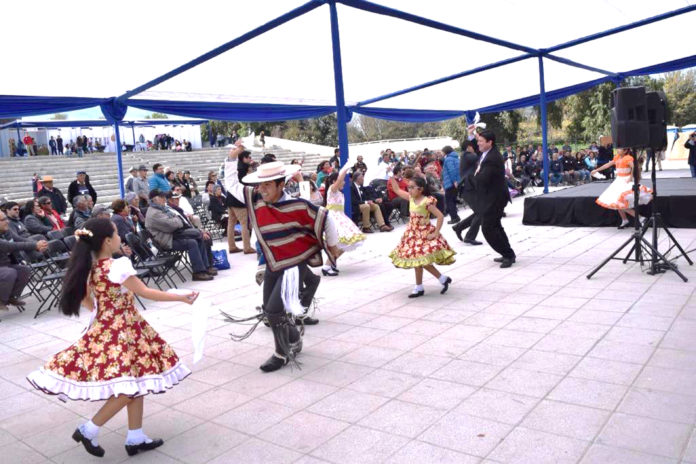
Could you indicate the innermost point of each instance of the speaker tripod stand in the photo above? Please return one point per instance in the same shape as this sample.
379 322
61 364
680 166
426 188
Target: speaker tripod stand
641 248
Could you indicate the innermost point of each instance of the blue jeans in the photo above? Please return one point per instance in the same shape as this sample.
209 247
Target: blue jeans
693 170
197 252
556 177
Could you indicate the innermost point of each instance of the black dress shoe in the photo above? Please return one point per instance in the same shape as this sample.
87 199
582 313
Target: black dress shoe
458 232
273 363
329 272
502 260
97 451
416 294
453 221
306 320
472 241
132 450
505 263
445 286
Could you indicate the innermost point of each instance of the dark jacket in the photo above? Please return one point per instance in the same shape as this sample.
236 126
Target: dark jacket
57 199
467 166
217 207
356 199
9 246
74 190
491 188
37 225
123 226
692 152
18 229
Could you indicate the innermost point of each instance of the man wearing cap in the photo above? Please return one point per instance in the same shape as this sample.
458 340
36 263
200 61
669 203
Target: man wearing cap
174 199
290 233
169 231
141 186
53 193
81 186
132 174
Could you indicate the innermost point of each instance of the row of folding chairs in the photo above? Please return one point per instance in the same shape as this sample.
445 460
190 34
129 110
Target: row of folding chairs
151 263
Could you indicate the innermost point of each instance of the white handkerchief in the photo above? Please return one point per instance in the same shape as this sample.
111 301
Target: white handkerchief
199 322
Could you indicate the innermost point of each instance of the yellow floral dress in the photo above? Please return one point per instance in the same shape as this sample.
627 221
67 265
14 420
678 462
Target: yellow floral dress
119 354
414 249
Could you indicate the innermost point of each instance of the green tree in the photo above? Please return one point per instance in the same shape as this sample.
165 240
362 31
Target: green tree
680 90
59 117
157 116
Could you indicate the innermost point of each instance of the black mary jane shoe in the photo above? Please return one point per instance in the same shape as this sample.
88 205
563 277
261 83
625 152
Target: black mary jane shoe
335 269
97 451
273 364
416 294
329 272
445 285
132 450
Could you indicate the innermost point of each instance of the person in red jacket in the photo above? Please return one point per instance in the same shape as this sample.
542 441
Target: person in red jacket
28 144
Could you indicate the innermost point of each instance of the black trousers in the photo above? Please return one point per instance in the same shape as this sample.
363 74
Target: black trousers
451 202
309 283
473 221
495 234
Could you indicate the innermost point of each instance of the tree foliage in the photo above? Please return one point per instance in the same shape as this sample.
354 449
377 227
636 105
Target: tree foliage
680 90
59 117
157 116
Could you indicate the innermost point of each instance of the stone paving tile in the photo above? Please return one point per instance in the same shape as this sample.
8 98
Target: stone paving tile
467 434
437 394
645 435
358 445
508 408
300 431
525 445
566 419
402 418
417 452
255 451
588 393
600 454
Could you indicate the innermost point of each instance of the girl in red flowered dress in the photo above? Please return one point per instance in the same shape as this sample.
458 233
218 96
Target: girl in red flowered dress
120 358
422 246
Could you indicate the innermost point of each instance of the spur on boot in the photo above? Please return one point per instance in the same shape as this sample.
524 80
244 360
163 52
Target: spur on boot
274 363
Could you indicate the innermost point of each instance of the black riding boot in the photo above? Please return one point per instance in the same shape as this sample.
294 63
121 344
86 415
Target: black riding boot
285 349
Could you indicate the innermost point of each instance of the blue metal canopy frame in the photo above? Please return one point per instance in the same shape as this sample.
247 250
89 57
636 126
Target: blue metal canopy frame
114 108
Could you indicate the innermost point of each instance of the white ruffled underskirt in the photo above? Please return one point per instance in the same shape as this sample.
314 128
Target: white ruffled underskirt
54 384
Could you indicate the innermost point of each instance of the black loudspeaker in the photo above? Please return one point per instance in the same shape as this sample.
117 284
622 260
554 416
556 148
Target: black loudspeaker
629 118
657 126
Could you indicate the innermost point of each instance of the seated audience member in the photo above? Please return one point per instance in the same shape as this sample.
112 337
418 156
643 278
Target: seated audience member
533 170
591 161
325 169
52 215
53 193
555 171
18 231
122 219
581 168
360 165
170 232
384 166
379 198
362 207
432 178
81 186
519 172
208 193
396 201
134 210
571 177
35 218
101 212
186 207
14 276
217 208
174 203
158 180
190 189
81 211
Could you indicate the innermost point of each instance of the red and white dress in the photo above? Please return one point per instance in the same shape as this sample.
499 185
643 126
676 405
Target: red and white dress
349 236
414 249
119 354
619 195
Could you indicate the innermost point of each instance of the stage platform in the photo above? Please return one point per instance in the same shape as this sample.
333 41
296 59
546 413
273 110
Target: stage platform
575 206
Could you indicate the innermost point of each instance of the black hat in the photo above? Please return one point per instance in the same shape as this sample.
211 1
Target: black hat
142 167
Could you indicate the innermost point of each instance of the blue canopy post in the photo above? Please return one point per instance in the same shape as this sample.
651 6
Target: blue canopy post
544 128
341 112
119 161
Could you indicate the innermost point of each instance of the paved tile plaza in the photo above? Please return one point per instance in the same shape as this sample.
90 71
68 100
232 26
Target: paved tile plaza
533 364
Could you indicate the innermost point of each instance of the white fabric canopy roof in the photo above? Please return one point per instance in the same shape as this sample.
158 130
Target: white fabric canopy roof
91 51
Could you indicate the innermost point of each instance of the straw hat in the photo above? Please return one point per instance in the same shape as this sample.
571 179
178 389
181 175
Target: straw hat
271 171
47 179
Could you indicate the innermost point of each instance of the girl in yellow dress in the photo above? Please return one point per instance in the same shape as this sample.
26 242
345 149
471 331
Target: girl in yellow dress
422 246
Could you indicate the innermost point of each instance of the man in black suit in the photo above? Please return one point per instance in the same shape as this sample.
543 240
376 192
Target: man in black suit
492 196
467 166
362 206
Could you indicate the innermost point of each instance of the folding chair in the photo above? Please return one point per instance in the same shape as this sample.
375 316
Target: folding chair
158 268
54 234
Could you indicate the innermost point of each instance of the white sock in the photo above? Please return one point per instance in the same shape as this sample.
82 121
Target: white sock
417 288
136 437
90 430
443 278
326 267
625 221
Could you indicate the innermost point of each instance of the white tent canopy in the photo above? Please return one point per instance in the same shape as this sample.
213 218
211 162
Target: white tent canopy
93 53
